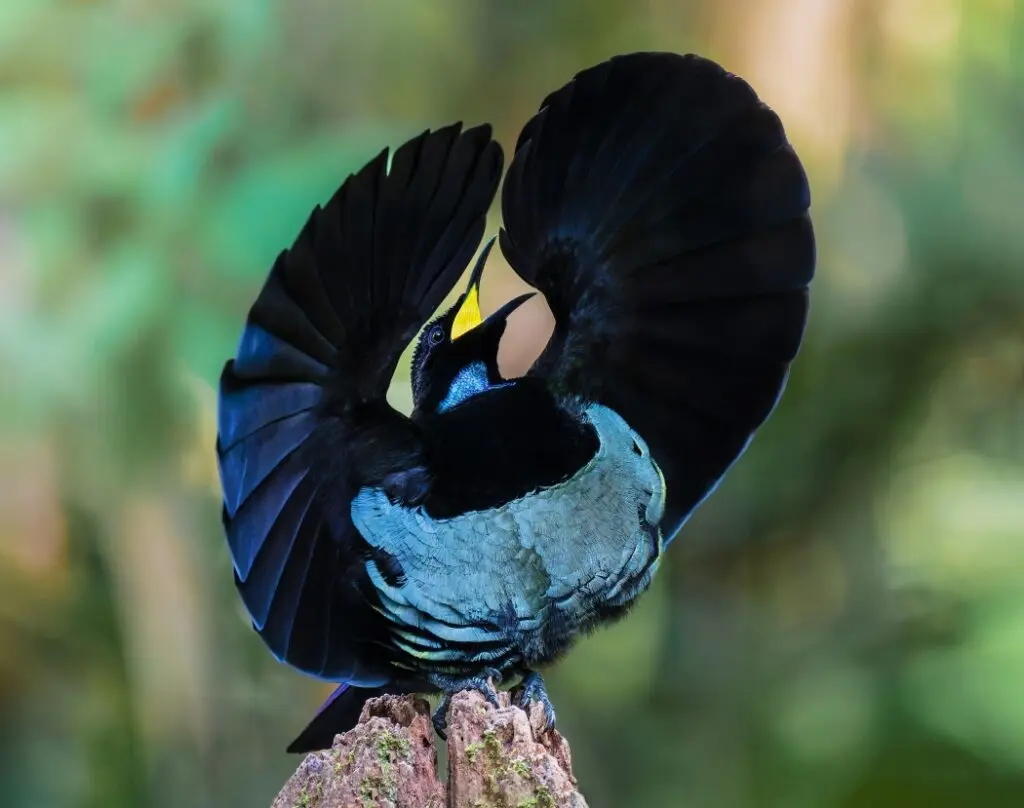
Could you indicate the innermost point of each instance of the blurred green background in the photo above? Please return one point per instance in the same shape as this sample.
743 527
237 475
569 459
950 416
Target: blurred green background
840 626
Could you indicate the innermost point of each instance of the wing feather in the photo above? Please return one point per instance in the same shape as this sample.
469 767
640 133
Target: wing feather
308 383
657 204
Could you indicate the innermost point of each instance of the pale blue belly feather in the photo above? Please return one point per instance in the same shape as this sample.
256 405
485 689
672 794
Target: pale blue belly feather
499 574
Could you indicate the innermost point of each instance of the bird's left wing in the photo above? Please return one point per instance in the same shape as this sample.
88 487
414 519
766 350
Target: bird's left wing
657 204
303 418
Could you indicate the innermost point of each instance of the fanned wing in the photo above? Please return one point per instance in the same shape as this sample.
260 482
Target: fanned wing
657 204
302 411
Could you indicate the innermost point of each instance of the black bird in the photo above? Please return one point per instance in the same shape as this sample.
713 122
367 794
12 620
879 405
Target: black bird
657 205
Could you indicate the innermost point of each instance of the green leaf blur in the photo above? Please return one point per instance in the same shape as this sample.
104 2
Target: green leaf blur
840 626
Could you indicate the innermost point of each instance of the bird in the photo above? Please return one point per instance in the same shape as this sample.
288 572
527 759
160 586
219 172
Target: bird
658 206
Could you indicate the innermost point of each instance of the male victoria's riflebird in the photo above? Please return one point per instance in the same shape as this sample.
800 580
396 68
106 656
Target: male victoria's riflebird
657 205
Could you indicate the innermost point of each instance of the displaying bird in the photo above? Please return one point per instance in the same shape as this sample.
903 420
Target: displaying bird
657 205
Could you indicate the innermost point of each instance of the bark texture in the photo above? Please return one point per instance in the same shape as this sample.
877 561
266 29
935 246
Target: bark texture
499 757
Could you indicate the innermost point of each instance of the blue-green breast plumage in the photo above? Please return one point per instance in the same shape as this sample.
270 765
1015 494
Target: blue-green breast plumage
514 585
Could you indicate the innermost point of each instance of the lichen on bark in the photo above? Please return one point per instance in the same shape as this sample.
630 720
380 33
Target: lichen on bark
498 757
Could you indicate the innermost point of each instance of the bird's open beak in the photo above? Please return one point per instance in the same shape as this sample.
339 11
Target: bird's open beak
508 308
468 316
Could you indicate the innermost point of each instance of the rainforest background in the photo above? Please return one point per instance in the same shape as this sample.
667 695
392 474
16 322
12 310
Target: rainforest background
840 626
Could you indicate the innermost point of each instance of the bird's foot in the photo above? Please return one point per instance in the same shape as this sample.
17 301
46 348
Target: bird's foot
450 685
533 690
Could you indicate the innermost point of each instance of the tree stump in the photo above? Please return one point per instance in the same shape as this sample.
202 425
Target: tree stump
498 757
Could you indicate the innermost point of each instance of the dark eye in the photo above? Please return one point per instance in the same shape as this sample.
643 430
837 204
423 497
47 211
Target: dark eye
435 335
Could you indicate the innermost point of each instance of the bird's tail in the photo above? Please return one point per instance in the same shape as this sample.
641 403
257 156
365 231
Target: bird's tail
336 715
657 204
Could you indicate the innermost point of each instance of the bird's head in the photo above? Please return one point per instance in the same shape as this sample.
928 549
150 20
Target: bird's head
457 353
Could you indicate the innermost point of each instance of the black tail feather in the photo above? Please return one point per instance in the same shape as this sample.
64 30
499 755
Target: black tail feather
337 715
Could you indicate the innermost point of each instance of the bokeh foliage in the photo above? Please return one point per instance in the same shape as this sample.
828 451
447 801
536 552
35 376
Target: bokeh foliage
842 624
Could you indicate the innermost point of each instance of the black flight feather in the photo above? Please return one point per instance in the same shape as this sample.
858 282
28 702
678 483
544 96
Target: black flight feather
303 420
656 203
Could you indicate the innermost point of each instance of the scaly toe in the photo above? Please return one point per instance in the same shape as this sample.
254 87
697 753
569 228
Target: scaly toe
440 718
485 686
534 691
449 686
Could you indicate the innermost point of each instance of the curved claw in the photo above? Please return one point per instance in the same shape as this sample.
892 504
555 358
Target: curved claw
485 684
440 718
450 685
533 690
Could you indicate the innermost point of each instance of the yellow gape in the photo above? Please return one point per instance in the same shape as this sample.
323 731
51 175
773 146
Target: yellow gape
468 316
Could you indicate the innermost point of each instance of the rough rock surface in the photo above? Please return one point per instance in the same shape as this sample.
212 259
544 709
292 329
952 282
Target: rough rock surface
498 758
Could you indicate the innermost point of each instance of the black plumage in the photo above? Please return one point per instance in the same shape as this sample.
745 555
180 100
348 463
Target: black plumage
303 420
657 205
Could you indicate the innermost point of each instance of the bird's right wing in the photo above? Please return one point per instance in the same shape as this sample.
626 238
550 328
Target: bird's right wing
309 380
657 204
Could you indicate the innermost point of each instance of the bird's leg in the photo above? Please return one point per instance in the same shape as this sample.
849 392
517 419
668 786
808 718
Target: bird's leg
450 685
533 690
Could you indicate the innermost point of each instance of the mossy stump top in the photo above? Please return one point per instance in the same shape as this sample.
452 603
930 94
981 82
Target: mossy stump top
498 757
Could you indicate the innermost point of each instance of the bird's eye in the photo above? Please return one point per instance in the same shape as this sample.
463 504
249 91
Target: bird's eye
436 335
